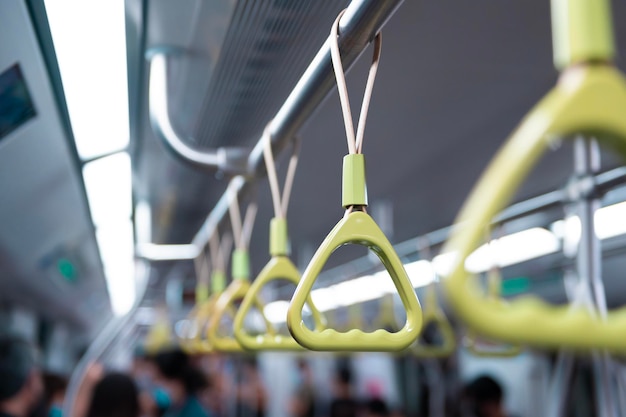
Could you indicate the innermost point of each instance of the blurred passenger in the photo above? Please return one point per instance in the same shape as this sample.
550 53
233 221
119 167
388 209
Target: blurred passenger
376 408
343 403
82 401
305 398
181 382
55 387
115 395
398 412
21 387
153 400
486 397
251 394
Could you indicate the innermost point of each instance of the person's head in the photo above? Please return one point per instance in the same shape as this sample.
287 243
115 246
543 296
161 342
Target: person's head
305 370
376 408
21 388
115 395
486 396
343 381
177 376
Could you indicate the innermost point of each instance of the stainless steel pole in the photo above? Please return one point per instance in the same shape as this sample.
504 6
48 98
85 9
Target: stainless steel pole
589 262
361 22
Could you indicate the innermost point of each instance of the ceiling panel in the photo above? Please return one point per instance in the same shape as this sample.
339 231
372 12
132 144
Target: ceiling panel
44 217
454 80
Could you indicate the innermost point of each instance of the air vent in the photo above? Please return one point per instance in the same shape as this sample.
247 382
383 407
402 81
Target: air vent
267 47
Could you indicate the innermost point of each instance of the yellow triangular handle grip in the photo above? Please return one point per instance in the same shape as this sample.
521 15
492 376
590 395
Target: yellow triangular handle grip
386 318
198 317
587 100
473 345
433 314
357 228
159 336
447 333
202 320
490 348
236 291
278 268
355 317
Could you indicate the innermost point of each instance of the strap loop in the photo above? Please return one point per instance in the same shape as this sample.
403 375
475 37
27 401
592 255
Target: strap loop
280 206
242 231
202 268
355 143
219 249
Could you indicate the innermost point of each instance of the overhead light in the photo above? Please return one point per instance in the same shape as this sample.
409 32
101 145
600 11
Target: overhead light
276 311
443 263
116 246
369 287
90 44
513 249
108 182
324 299
360 290
155 252
610 221
421 273
143 222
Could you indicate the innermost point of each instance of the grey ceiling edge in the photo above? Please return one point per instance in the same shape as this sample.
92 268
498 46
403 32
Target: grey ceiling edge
39 20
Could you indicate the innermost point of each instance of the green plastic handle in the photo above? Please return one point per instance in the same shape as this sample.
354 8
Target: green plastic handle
235 292
587 100
356 228
487 349
202 293
582 31
475 344
386 318
433 314
218 281
241 265
199 316
355 317
278 268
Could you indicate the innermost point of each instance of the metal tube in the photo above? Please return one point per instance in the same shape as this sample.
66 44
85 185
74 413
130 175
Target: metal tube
589 262
98 347
362 20
560 384
230 160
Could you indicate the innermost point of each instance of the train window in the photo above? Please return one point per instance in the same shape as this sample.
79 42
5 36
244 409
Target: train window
16 106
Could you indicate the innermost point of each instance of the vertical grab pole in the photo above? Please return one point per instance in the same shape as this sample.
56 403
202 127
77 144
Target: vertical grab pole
561 377
589 263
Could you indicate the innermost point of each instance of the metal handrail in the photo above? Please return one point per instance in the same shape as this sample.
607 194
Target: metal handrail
362 20
100 344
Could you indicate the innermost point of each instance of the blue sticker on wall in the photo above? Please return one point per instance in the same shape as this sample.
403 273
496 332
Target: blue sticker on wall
16 106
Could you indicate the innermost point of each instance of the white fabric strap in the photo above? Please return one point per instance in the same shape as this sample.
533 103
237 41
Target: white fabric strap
355 143
280 205
202 266
242 232
219 250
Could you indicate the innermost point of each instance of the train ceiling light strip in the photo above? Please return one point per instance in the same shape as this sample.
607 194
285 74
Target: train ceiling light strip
90 44
108 183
